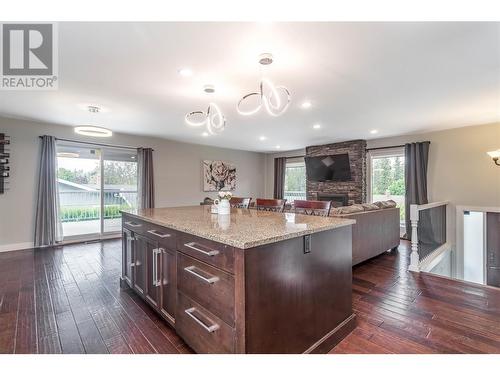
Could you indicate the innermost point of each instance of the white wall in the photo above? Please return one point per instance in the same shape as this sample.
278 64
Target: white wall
178 173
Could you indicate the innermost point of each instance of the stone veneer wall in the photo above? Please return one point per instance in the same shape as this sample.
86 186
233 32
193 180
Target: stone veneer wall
356 189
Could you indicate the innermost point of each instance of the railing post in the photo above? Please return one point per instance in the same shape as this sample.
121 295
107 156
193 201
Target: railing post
414 257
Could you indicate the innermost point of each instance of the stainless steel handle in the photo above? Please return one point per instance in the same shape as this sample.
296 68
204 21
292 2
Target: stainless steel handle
212 328
209 280
156 233
154 267
132 224
210 253
156 253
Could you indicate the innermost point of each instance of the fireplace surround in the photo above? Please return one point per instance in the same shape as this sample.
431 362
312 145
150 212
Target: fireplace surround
355 189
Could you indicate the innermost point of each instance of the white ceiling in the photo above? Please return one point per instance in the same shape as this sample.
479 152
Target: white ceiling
397 78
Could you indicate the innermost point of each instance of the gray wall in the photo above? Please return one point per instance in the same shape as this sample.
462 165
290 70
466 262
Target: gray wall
178 176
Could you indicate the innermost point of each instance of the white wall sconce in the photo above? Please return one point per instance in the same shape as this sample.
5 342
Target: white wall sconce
495 155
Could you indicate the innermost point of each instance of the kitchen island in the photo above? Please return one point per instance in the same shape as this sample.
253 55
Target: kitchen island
249 282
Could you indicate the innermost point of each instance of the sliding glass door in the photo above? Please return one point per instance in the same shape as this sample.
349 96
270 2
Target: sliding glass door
94 183
120 186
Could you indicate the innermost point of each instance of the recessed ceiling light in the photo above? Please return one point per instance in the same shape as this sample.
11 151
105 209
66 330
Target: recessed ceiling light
306 105
132 157
316 126
262 138
204 134
278 146
185 72
93 131
374 131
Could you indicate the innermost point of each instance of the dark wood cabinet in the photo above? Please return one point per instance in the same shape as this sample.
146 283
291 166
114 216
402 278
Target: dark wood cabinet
139 264
149 264
493 248
168 281
127 256
273 298
152 292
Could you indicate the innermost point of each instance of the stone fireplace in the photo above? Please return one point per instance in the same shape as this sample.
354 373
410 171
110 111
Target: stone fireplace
345 192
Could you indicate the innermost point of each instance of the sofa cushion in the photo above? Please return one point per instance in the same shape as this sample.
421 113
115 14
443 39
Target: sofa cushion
385 204
370 206
348 209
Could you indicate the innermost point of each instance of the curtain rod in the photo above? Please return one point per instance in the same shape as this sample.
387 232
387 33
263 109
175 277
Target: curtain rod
384 148
95 144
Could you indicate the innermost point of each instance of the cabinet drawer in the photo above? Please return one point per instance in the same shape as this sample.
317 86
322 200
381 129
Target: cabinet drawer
202 330
209 286
133 224
211 252
164 236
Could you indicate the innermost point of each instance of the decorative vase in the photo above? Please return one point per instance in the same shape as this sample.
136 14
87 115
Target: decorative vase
224 208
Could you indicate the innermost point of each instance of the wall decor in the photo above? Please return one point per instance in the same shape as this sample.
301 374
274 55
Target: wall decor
4 161
218 175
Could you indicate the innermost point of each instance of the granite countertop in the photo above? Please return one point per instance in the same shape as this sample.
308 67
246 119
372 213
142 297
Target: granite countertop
243 228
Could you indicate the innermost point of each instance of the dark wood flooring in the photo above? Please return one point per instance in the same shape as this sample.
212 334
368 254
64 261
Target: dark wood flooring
67 300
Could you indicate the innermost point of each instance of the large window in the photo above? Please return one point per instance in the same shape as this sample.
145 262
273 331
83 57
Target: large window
94 183
295 180
387 178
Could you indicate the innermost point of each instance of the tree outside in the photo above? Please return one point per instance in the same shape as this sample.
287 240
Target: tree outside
388 181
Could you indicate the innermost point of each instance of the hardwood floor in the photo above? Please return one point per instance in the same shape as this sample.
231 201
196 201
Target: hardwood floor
67 300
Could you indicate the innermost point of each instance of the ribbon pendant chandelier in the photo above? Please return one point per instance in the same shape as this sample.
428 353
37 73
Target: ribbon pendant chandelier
213 118
275 99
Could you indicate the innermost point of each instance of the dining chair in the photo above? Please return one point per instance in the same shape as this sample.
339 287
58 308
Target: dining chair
236 202
314 208
275 205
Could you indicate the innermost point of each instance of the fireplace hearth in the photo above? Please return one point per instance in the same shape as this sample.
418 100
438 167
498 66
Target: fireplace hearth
338 200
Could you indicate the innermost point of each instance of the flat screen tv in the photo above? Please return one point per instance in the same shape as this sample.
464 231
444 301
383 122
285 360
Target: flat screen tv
328 168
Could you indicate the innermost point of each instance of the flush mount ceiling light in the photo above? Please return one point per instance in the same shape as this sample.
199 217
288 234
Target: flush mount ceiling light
374 131
316 126
213 118
91 130
275 99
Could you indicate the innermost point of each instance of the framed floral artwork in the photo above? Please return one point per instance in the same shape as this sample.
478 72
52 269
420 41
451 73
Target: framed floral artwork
218 175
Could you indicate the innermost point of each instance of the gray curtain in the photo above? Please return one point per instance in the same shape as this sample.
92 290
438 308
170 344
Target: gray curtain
416 159
48 227
279 177
146 186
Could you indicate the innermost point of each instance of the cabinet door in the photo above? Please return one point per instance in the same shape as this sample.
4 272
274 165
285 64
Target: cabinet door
153 284
139 264
493 249
168 283
127 256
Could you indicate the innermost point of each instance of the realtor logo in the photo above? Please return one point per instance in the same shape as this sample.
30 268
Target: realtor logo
29 56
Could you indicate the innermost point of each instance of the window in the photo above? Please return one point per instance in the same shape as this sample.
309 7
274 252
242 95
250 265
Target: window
94 184
387 178
295 180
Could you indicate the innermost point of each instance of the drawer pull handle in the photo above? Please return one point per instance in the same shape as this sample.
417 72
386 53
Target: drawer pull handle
192 245
132 224
209 280
212 328
158 234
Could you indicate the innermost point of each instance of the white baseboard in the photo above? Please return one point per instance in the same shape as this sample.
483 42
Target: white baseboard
16 246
